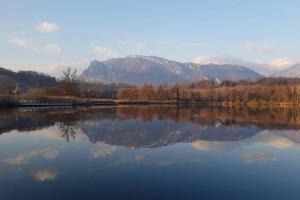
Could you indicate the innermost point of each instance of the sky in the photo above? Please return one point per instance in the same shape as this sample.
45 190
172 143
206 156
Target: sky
47 36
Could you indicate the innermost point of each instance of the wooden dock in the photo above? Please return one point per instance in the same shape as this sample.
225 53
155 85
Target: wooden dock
48 103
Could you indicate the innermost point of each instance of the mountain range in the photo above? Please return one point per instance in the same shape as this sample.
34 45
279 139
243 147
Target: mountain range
141 70
157 70
291 72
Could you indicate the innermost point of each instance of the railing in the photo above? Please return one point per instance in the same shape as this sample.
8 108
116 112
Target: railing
50 103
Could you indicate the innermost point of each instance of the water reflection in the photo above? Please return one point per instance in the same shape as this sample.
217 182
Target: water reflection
154 126
259 156
150 152
24 157
45 175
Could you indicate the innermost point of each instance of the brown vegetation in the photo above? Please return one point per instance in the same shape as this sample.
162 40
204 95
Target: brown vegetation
265 91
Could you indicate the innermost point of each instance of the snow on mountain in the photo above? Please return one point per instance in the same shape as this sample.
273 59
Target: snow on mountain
156 70
291 72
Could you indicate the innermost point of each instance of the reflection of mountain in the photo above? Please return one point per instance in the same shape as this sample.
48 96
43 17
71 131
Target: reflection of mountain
153 126
14 120
135 134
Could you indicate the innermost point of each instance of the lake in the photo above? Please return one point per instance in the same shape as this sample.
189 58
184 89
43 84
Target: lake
150 152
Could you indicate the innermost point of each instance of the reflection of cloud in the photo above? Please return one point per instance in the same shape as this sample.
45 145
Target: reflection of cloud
53 133
274 139
45 175
49 153
139 157
259 156
164 163
24 158
281 143
21 159
101 150
202 145
48 133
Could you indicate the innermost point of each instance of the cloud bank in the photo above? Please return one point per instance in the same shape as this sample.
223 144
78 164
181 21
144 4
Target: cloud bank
265 68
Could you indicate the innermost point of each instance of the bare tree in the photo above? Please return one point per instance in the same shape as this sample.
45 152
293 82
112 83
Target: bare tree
69 82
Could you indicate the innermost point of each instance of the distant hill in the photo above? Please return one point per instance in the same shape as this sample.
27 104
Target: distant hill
25 80
156 70
291 72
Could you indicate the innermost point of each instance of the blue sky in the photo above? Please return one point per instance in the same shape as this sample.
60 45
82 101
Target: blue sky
47 35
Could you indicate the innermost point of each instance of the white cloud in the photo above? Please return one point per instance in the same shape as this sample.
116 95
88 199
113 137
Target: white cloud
206 59
167 42
104 53
282 63
47 27
265 68
182 44
21 42
45 175
25 43
52 48
54 69
258 49
141 46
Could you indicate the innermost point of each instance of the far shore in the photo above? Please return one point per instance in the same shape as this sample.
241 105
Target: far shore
16 101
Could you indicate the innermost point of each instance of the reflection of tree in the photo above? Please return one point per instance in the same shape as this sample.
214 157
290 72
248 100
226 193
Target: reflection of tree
68 129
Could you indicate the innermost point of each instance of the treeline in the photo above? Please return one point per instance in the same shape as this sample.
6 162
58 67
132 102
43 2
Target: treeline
25 81
70 85
241 92
265 90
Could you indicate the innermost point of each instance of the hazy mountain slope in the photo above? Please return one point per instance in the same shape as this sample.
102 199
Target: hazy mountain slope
156 70
293 71
25 79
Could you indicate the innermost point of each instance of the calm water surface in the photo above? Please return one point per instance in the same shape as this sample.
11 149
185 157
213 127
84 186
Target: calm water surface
148 152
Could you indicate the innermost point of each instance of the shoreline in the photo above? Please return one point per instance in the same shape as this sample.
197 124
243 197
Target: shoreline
54 101
152 102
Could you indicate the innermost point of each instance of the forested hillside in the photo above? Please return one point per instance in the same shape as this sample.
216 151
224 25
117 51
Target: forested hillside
25 79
